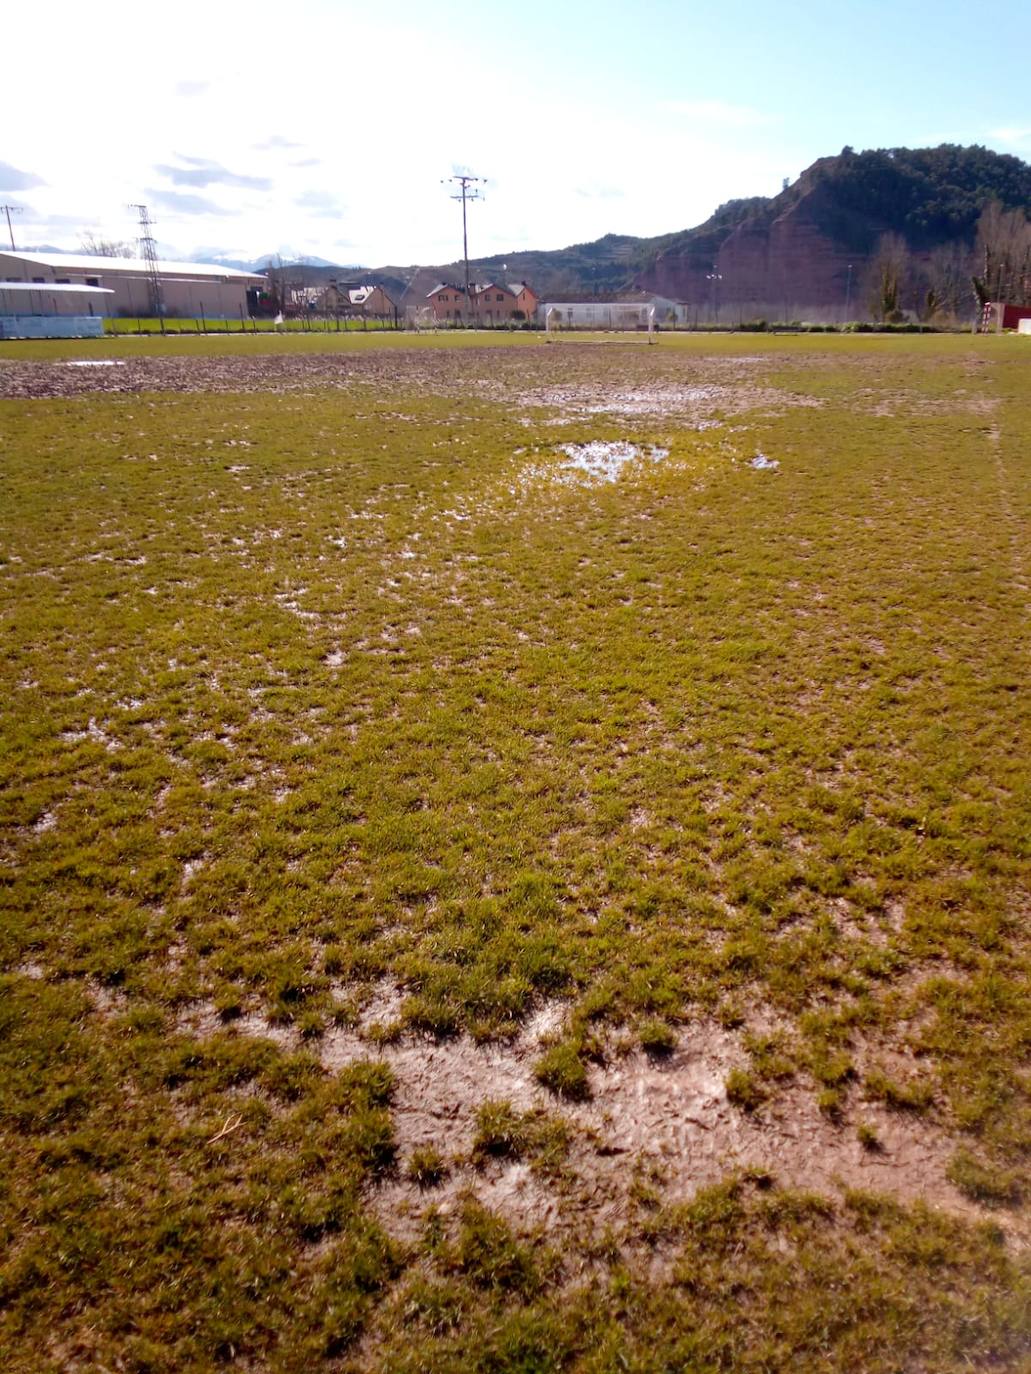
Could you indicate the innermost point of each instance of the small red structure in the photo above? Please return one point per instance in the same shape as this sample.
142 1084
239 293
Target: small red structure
1004 316
1013 314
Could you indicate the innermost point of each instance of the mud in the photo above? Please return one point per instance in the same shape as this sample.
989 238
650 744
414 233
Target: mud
664 1119
568 379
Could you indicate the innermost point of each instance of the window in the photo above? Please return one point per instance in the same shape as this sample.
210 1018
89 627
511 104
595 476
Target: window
62 281
39 279
92 281
499 297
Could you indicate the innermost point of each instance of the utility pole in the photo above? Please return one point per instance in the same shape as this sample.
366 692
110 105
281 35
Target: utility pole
8 211
848 294
465 194
149 254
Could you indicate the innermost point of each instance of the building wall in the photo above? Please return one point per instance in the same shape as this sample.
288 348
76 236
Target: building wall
214 296
378 305
490 310
449 304
51 326
486 309
526 301
1011 315
53 303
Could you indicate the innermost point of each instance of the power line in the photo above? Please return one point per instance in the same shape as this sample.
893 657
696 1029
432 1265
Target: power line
465 181
8 211
148 252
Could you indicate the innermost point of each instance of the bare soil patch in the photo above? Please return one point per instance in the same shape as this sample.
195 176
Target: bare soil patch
663 1118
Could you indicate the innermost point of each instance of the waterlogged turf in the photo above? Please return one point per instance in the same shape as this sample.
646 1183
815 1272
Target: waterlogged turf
515 855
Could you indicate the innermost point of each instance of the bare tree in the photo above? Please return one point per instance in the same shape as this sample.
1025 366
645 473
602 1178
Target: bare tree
890 279
1003 254
278 286
105 248
945 288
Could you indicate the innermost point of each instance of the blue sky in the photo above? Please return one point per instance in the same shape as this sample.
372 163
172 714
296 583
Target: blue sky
325 127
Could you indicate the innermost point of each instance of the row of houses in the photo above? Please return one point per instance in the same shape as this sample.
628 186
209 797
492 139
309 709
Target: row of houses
353 300
490 303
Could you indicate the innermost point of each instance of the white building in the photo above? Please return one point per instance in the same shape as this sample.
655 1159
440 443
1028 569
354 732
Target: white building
52 310
188 289
631 311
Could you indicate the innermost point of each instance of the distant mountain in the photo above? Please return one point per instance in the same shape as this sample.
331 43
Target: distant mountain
271 259
44 248
218 260
266 260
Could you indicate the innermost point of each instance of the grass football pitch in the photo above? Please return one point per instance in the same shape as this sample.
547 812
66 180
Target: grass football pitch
515 854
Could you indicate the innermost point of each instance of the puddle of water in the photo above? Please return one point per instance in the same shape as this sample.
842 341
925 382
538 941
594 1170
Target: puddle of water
603 460
762 462
94 362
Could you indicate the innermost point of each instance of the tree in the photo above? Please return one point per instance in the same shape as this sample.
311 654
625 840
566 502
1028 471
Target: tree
1003 256
105 248
890 277
278 286
946 283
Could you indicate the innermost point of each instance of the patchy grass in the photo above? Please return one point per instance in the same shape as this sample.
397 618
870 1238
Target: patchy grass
334 708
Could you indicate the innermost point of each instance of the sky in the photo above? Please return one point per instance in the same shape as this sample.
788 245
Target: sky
329 128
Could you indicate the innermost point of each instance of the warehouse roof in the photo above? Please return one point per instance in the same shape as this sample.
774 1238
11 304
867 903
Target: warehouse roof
91 262
49 286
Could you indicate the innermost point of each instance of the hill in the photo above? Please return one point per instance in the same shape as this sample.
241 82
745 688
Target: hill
808 251
812 247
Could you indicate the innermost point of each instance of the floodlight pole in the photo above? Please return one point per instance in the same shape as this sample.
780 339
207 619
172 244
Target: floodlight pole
465 181
8 209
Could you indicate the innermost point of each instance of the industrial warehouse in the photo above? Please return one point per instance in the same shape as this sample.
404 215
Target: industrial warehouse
188 289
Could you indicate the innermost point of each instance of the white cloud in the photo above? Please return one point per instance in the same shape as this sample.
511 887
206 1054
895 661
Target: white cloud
13 179
183 202
566 163
201 172
1011 134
